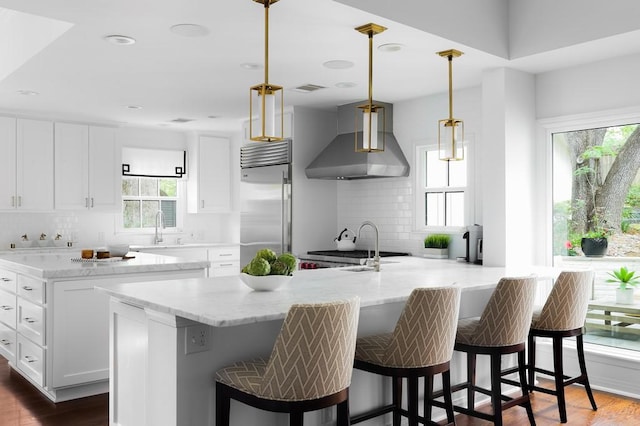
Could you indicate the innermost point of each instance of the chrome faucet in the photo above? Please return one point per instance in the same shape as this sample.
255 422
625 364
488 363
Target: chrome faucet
376 257
159 227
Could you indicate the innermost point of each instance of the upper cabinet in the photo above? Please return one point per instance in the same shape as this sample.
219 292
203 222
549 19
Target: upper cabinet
86 168
209 186
26 166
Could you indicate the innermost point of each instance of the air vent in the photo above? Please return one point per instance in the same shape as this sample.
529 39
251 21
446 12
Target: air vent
181 120
308 88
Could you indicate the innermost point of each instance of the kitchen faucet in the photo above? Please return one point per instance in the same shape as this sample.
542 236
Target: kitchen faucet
159 226
376 257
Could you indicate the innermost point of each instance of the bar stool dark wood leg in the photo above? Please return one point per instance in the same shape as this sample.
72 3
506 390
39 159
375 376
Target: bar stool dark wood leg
583 371
397 400
531 354
559 377
428 394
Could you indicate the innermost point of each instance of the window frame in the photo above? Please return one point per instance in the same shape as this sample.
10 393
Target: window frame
421 147
180 199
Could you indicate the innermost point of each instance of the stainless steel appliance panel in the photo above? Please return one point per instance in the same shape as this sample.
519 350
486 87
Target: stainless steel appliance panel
265 210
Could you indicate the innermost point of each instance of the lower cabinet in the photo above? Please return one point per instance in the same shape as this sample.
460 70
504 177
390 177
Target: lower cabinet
60 342
225 259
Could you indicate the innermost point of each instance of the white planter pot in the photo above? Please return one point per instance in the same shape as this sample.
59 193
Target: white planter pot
436 253
624 296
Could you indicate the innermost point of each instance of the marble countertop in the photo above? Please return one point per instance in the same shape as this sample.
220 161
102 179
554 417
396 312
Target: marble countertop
227 301
60 265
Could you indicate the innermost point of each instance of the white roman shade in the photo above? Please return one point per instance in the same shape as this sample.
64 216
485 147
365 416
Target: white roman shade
154 162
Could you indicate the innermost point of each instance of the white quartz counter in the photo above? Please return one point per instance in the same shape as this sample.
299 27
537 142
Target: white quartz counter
60 265
226 301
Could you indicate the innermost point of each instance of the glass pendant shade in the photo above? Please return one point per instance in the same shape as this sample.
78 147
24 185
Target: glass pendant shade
451 139
267 102
370 128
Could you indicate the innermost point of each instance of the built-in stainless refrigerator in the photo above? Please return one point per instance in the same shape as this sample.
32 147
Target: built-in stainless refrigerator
265 198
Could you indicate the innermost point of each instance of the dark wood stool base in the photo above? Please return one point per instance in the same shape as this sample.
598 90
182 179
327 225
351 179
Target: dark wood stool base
296 409
499 402
412 375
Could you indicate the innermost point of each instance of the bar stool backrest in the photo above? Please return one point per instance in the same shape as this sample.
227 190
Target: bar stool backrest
426 330
313 354
506 319
566 306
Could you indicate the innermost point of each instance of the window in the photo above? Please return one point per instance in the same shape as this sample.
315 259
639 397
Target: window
143 197
442 189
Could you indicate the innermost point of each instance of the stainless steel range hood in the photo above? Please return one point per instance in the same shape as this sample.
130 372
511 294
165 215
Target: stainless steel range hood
340 161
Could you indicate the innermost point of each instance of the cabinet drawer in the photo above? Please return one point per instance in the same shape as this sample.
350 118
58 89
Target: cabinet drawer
31 321
222 269
7 280
223 254
8 308
31 289
7 342
30 359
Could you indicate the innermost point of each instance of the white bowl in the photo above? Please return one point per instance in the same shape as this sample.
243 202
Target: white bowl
118 250
265 283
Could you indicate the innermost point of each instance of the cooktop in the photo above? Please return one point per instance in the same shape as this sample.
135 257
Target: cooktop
357 254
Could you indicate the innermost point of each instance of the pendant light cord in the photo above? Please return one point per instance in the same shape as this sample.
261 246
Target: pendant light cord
266 42
450 57
370 71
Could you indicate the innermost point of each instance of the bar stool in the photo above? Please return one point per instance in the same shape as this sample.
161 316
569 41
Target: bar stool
310 366
501 329
563 315
421 345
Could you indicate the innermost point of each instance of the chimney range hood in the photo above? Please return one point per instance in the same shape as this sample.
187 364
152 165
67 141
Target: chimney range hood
340 161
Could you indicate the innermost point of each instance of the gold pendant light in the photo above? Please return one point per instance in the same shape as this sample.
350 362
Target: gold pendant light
451 130
370 117
266 99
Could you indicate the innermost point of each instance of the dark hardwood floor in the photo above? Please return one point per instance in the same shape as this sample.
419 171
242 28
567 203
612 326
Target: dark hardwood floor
22 405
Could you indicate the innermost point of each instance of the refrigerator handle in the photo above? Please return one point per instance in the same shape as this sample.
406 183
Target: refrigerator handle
283 207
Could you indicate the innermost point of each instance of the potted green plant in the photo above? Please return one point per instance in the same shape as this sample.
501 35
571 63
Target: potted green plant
436 246
626 281
594 243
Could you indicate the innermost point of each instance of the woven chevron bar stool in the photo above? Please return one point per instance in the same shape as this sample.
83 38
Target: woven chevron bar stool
421 345
310 366
501 329
562 315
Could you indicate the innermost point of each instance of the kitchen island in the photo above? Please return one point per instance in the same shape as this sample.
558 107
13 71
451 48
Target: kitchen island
54 326
168 338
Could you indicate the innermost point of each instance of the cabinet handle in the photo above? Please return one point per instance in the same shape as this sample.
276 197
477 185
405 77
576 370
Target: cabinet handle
13 201
86 202
202 202
27 288
91 202
29 320
226 264
6 307
226 254
5 342
19 200
6 280
30 358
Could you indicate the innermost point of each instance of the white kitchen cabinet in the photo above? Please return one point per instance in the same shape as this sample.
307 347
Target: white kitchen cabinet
225 261
86 168
209 185
26 164
8 305
287 129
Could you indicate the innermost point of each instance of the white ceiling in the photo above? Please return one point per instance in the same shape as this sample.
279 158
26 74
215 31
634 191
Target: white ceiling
81 77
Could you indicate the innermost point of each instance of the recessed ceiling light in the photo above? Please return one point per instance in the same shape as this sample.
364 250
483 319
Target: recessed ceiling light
133 107
119 39
390 47
251 66
189 30
338 64
213 116
345 84
28 92
307 88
